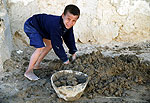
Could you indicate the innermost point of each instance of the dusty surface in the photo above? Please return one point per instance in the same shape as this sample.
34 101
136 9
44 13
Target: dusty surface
119 73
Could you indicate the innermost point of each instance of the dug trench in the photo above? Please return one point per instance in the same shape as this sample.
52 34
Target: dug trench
121 79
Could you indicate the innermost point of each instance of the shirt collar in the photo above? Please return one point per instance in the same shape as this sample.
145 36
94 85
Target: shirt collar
62 23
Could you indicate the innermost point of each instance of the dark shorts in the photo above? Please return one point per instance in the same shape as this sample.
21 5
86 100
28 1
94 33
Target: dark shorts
36 39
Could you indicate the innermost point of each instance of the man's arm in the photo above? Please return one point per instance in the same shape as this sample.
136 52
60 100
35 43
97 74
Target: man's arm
58 48
70 41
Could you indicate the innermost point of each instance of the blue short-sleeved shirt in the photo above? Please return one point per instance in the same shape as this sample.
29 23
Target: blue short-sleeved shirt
51 27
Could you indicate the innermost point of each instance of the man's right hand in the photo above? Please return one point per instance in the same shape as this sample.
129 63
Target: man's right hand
66 62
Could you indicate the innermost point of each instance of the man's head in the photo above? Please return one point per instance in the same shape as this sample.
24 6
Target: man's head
70 15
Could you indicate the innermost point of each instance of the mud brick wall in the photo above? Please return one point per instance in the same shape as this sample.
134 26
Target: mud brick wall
101 21
5 34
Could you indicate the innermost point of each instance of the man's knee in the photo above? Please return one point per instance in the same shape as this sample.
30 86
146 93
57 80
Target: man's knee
49 47
48 44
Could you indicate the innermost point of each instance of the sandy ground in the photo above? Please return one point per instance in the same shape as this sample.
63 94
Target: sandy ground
120 73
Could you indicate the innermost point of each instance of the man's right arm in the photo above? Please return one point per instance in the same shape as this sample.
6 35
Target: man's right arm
57 45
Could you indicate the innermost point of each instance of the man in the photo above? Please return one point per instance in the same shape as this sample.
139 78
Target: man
46 32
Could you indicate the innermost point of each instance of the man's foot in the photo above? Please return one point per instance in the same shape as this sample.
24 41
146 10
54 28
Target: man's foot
31 76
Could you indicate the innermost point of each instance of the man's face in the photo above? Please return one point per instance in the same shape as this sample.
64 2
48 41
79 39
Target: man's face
69 19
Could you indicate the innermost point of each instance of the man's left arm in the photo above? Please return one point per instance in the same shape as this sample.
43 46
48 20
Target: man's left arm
70 41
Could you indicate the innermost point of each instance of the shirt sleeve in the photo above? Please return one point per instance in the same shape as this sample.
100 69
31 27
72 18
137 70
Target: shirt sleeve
58 48
70 41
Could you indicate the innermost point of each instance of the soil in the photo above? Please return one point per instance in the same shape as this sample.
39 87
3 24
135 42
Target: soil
117 75
69 79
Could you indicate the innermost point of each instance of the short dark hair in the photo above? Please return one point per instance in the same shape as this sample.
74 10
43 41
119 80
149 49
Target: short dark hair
73 9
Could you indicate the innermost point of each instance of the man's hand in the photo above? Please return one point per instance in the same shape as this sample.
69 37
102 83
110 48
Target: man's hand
66 62
73 56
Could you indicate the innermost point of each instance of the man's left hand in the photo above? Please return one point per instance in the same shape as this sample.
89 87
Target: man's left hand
73 57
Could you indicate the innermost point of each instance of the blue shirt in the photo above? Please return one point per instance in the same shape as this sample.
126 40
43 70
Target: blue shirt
52 27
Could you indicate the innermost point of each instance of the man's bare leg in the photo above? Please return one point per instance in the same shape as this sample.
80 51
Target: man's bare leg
44 52
29 73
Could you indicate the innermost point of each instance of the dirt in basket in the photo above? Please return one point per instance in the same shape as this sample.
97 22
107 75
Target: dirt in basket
70 79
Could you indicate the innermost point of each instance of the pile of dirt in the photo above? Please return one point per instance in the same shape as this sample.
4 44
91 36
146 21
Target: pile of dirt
110 77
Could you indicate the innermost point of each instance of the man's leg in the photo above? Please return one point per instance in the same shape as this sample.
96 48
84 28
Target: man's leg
44 52
36 58
29 73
